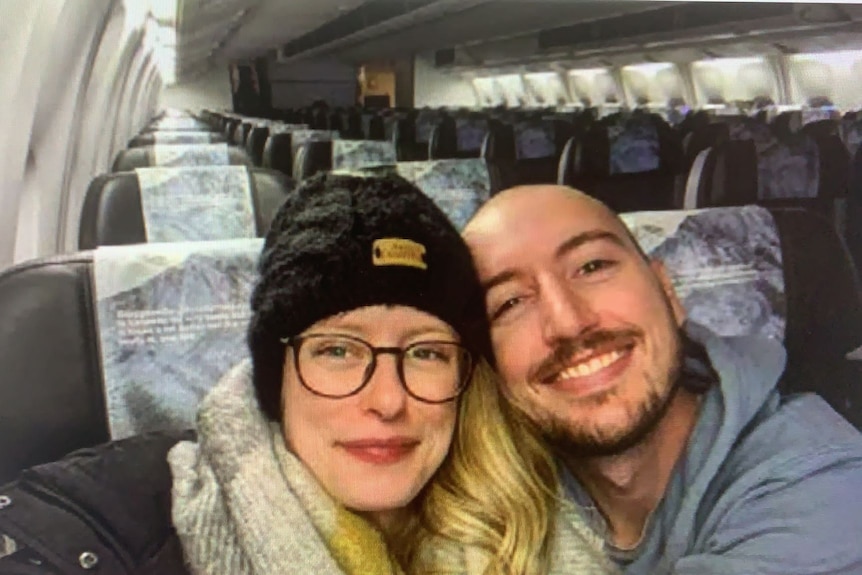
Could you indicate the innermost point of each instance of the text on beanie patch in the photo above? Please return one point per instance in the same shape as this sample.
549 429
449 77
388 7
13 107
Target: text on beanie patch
398 252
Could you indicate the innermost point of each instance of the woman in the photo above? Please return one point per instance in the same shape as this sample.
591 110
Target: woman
366 436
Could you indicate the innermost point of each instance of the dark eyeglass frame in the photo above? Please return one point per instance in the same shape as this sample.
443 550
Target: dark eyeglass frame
296 342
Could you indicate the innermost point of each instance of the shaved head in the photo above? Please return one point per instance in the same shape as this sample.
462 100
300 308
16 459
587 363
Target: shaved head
513 201
584 327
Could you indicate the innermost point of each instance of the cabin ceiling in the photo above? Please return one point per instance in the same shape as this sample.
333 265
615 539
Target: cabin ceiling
215 32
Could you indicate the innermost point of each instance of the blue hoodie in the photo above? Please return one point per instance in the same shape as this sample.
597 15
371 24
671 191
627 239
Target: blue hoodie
767 484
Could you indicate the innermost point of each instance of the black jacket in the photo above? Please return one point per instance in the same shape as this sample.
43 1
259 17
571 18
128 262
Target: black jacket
103 510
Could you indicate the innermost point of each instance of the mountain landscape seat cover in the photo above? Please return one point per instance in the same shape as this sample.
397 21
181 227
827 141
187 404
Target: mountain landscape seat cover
725 264
185 155
172 321
196 204
458 187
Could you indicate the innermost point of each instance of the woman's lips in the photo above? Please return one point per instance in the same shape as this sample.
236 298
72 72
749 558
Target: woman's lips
380 451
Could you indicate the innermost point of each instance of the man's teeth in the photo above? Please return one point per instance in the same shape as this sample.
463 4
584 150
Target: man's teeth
590 367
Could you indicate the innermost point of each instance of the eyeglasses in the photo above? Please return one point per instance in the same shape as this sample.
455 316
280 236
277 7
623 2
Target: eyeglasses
338 366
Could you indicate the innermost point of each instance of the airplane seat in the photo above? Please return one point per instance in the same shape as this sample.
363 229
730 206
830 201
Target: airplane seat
824 324
458 187
49 407
722 175
621 165
278 153
851 134
789 175
313 157
821 129
702 138
538 144
177 155
834 187
853 232
335 123
256 143
175 125
470 133
354 125
777 273
443 141
179 137
247 127
282 147
180 204
230 130
376 129
136 336
498 147
786 124
499 143
323 156
236 138
405 139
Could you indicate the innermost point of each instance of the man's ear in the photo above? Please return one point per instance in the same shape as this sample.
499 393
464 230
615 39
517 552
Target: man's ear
666 284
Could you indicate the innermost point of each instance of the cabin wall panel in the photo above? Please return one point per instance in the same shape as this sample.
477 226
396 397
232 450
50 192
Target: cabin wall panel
435 88
298 84
211 90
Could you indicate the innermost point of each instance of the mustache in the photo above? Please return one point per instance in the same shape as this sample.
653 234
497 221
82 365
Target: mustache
567 348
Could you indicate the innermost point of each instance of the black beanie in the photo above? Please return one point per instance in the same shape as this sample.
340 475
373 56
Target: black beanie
341 242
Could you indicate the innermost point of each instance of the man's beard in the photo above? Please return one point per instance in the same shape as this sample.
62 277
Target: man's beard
582 441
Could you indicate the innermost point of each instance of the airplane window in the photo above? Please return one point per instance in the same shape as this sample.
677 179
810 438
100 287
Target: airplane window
653 83
546 87
594 84
513 89
733 79
829 75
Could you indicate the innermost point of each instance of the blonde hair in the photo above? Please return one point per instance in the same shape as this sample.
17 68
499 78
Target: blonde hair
495 494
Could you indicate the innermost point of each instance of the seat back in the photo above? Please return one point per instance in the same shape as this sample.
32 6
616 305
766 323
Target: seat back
323 156
458 187
723 175
178 137
136 335
180 204
180 156
779 273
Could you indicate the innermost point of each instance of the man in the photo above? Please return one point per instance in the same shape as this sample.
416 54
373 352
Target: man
674 441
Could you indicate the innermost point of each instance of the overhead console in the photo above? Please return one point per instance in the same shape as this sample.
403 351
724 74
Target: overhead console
685 21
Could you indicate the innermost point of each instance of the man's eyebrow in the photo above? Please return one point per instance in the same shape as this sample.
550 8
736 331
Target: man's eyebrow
498 279
578 240
570 244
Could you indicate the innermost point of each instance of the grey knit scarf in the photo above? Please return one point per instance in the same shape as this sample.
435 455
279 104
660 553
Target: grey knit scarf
244 505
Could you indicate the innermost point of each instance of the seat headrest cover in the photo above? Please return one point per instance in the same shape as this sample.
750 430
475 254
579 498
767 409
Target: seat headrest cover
471 133
535 140
458 187
788 169
196 204
351 154
634 148
426 120
725 263
279 128
172 321
160 138
851 134
178 155
178 124
299 137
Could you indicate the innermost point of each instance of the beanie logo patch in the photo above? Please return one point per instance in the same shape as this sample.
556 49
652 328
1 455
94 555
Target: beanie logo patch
398 252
